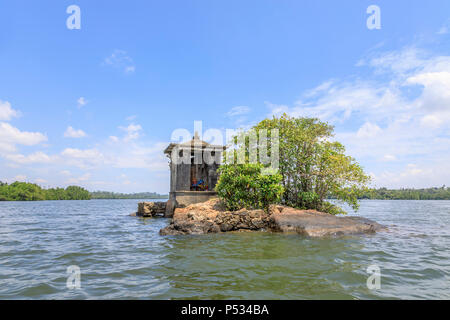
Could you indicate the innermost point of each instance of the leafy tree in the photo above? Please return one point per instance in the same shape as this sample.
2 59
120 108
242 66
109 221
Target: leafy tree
245 186
23 191
74 192
312 167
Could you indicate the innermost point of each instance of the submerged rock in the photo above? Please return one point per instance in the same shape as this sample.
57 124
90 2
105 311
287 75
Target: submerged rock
211 217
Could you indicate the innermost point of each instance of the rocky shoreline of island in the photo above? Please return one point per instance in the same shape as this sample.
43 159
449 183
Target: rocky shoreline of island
212 217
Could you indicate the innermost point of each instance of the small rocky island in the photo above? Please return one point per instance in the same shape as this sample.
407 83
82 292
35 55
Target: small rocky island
196 209
211 217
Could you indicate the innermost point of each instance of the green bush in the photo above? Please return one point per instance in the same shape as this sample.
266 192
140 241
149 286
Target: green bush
245 186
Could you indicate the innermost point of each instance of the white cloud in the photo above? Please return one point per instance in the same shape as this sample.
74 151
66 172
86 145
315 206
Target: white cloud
81 102
137 156
400 111
77 180
114 138
132 131
84 159
37 157
413 175
278 109
121 60
431 121
368 130
6 112
434 101
122 152
72 133
11 136
81 154
130 69
389 157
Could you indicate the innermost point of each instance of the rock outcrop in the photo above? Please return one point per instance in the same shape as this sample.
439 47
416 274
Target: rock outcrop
196 218
150 209
211 217
318 224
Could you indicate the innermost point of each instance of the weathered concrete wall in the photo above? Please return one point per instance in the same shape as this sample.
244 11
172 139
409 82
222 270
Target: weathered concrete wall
190 197
170 207
183 177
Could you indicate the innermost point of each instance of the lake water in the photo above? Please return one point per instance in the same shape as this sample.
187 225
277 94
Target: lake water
123 257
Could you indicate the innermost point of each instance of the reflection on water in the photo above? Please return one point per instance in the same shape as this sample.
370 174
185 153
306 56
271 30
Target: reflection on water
123 257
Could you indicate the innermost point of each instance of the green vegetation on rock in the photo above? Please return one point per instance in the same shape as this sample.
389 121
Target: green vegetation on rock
312 167
244 186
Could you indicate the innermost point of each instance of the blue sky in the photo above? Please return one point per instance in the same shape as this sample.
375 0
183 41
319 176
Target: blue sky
95 107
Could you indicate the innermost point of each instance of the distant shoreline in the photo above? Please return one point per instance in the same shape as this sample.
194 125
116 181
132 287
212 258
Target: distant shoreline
25 191
167 198
441 193
137 195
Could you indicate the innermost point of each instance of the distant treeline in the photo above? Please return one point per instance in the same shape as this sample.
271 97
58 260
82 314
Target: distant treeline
24 191
114 195
441 193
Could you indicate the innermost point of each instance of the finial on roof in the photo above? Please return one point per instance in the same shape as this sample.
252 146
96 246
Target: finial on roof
196 137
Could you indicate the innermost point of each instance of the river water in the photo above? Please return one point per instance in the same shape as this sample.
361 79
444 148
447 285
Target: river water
123 257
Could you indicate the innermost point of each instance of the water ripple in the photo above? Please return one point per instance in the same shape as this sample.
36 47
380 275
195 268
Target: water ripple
122 257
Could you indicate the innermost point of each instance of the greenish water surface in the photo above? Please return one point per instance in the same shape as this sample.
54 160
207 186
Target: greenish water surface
123 257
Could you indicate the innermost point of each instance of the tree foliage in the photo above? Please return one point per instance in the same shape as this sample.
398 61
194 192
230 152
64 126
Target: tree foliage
24 191
245 186
312 166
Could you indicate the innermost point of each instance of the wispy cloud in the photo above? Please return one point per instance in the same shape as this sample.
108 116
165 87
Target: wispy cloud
36 157
445 28
238 115
238 111
120 59
20 177
79 180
